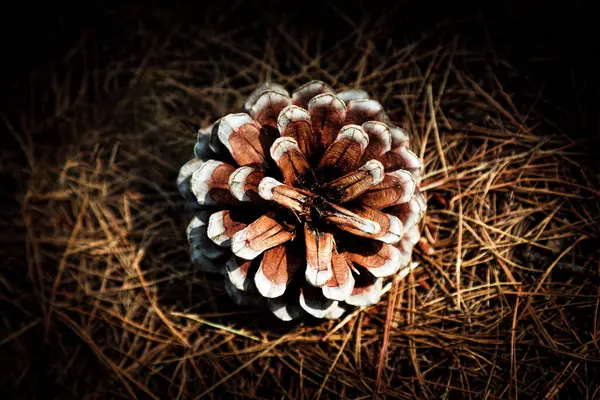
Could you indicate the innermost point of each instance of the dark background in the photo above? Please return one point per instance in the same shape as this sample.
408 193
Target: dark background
552 44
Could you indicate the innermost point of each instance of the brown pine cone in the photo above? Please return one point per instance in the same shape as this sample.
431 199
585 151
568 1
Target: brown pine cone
307 201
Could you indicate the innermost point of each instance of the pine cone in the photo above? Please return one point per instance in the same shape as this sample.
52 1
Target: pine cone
307 201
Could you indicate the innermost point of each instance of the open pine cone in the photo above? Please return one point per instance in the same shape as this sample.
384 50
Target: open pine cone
307 201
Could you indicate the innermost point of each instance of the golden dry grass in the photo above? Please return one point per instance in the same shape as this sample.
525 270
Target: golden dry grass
505 303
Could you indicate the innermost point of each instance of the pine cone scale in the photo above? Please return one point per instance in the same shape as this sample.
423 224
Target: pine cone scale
240 272
344 154
267 107
276 270
303 94
222 225
292 163
319 252
363 110
294 122
327 114
340 286
380 140
355 184
260 235
244 138
286 196
380 259
210 184
243 184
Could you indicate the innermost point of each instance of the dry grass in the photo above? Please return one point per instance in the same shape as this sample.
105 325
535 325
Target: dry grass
504 305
